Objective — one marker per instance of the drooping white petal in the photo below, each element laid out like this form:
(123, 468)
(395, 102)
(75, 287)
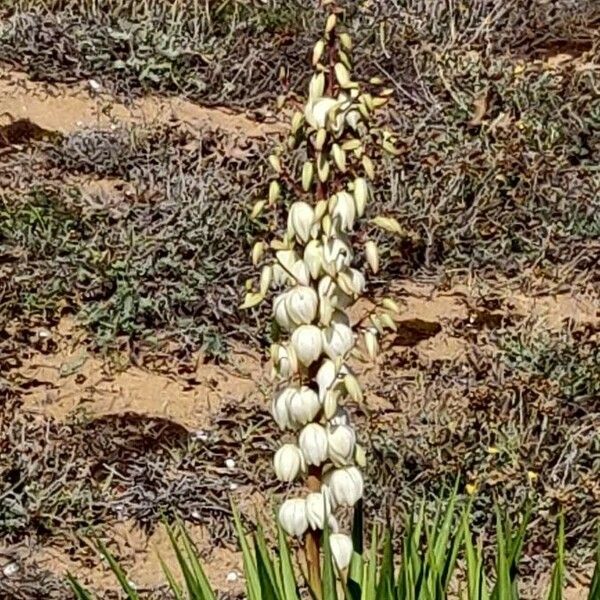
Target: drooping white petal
(288, 462)
(346, 485)
(317, 509)
(341, 549)
(300, 220)
(337, 255)
(285, 361)
(313, 257)
(280, 407)
(338, 340)
(343, 211)
(341, 440)
(292, 516)
(280, 311)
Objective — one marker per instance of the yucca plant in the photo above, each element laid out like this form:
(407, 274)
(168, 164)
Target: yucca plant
(321, 188)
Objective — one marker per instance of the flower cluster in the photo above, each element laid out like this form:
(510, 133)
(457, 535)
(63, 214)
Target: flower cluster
(314, 268)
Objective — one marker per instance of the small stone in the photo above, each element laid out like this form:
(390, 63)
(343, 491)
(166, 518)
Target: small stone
(196, 514)
(94, 85)
(233, 486)
(230, 463)
(201, 435)
(10, 569)
(232, 576)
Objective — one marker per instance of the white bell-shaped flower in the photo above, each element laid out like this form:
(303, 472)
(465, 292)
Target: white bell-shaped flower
(302, 304)
(313, 443)
(343, 210)
(285, 361)
(292, 516)
(329, 289)
(300, 220)
(341, 443)
(351, 282)
(281, 313)
(318, 507)
(316, 113)
(338, 339)
(308, 343)
(288, 462)
(313, 258)
(303, 406)
(341, 549)
(336, 255)
(346, 485)
(280, 407)
(328, 377)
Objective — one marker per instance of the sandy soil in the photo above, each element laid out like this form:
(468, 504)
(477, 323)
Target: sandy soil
(72, 379)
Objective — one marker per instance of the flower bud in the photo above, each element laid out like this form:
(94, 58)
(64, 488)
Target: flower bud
(300, 220)
(343, 211)
(341, 441)
(313, 443)
(372, 255)
(316, 88)
(361, 194)
(371, 344)
(317, 509)
(307, 175)
(318, 52)
(292, 516)
(301, 304)
(288, 462)
(308, 343)
(303, 406)
(341, 549)
(346, 486)
(338, 340)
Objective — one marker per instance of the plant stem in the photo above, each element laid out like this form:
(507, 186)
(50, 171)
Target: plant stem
(312, 538)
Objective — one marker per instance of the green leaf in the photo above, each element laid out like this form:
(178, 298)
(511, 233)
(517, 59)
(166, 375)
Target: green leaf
(119, 574)
(288, 577)
(250, 567)
(173, 585)
(355, 572)
(266, 575)
(80, 592)
(385, 586)
(558, 572)
(328, 583)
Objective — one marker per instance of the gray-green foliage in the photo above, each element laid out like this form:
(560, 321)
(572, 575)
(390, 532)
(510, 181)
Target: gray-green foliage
(163, 265)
